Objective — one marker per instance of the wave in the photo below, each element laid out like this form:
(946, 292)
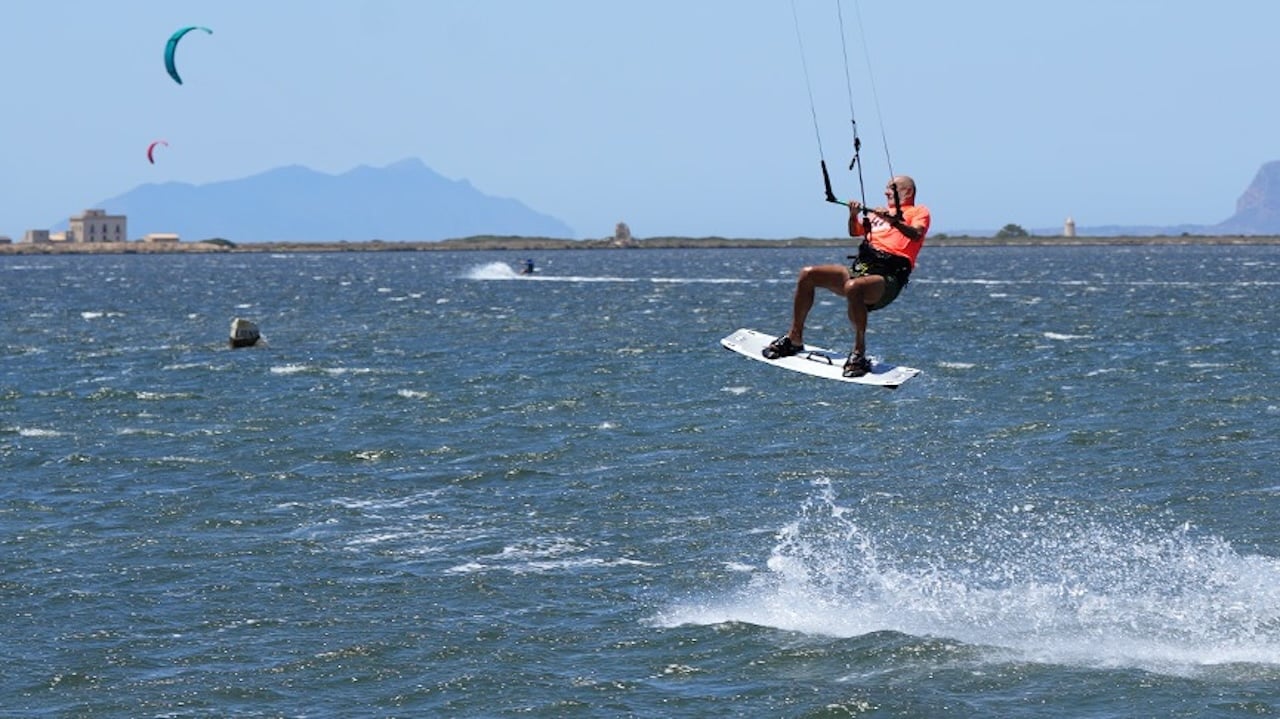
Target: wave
(33, 431)
(1052, 587)
(299, 368)
(543, 555)
(503, 271)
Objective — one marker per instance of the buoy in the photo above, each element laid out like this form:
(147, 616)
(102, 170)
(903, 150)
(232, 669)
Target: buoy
(244, 333)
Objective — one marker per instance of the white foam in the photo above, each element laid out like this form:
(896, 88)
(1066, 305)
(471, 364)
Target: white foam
(492, 271)
(38, 432)
(289, 369)
(160, 396)
(1047, 587)
(503, 271)
(543, 555)
(145, 432)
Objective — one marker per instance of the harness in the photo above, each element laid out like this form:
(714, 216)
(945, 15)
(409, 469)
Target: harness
(871, 261)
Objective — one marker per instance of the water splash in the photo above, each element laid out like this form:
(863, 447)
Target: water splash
(492, 271)
(1056, 586)
(503, 271)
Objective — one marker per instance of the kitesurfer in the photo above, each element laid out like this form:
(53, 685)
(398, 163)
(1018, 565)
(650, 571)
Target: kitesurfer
(877, 274)
(528, 267)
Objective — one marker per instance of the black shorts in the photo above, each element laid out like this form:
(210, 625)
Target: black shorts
(892, 286)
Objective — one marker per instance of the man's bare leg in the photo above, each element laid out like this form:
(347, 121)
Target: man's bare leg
(830, 277)
(862, 292)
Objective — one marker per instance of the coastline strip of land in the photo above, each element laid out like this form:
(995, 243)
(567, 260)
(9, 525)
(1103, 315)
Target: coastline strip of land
(542, 244)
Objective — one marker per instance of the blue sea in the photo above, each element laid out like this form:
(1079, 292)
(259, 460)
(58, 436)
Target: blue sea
(438, 488)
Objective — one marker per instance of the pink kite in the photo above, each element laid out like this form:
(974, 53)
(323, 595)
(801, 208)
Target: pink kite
(152, 148)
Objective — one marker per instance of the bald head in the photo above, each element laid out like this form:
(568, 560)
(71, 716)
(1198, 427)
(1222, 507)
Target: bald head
(901, 189)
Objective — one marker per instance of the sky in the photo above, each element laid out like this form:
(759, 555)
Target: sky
(678, 117)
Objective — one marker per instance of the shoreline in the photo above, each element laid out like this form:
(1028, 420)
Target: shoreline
(542, 244)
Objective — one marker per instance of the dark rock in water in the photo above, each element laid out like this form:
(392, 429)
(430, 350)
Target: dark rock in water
(1258, 209)
(244, 333)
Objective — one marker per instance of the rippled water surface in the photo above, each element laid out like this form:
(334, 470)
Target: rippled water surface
(442, 489)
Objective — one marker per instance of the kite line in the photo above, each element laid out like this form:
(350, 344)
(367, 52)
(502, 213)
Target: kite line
(855, 164)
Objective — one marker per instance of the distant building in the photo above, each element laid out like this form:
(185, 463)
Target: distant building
(1069, 228)
(36, 237)
(97, 226)
(622, 235)
(160, 237)
(6, 240)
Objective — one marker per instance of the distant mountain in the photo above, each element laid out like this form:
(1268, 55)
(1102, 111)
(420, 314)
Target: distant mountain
(404, 201)
(1258, 209)
(1257, 213)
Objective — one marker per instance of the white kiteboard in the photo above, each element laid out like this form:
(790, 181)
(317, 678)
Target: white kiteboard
(816, 361)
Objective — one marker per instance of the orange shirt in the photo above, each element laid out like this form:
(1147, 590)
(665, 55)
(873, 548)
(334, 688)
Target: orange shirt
(887, 239)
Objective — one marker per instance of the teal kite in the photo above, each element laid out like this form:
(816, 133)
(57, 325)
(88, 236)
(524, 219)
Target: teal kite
(173, 45)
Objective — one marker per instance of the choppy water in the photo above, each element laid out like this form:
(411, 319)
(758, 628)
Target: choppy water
(441, 489)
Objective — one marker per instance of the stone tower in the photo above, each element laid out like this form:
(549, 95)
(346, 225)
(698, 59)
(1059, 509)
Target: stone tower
(1069, 228)
(622, 235)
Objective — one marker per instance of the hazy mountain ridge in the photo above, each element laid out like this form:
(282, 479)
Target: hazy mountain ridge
(407, 201)
(1257, 213)
(404, 201)
(1258, 209)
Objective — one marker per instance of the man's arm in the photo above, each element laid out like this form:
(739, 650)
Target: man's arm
(855, 219)
(913, 233)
